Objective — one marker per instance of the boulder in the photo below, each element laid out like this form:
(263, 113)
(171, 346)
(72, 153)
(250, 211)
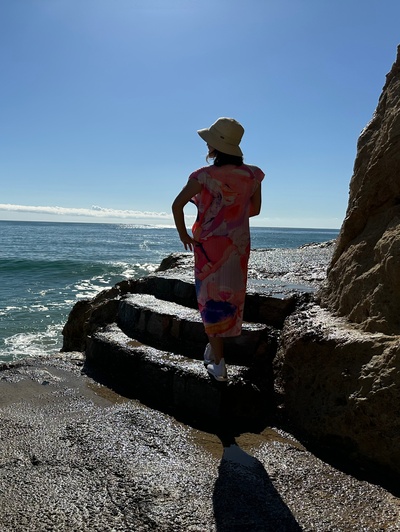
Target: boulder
(87, 315)
(341, 388)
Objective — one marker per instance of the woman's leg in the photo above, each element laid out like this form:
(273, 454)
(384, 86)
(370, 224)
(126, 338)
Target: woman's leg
(217, 368)
(217, 346)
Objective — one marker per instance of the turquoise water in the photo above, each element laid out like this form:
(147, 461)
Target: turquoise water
(46, 267)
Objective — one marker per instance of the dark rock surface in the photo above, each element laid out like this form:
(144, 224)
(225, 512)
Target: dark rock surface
(76, 456)
(340, 387)
(174, 384)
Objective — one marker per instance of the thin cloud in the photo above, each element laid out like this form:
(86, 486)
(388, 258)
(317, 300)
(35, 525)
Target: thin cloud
(95, 211)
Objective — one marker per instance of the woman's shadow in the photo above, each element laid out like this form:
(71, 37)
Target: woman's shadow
(244, 497)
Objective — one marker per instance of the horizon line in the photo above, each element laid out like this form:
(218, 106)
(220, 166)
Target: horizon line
(161, 226)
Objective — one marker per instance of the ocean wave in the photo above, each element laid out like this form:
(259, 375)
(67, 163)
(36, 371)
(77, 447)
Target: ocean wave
(33, 344)
(45, 268)
(7, 310)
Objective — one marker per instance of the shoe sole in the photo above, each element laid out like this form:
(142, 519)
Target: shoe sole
(219, 379)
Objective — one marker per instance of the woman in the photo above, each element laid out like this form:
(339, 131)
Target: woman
(226, 193)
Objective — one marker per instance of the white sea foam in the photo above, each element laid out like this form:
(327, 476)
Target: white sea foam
(39, 308)
(7, 310)
(141, 269)
(31, 344)
(86, 290)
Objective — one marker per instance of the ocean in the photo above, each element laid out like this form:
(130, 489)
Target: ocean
(45, 268)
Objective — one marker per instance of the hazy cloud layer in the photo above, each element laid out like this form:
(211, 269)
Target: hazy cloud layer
(94, 212)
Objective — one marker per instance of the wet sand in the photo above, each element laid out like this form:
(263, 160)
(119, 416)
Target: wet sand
(77, 456)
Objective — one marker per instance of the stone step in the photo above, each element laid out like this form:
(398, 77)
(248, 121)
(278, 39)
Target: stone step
(171, 326)
(145, 339)
(174, 384)
(265, 303)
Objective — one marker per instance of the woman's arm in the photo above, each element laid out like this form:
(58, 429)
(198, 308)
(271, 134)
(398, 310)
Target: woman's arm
(255, 202)
(191, 188)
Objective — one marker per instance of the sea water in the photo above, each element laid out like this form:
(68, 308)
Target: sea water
(45, 268)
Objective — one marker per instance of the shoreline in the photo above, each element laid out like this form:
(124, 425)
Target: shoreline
(298, 269)
(78, 456)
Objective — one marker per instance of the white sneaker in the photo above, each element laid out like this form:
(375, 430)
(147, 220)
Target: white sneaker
(208, 355)
(218, 371)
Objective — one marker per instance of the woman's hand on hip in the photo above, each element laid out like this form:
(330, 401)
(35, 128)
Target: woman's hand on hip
(188, 241)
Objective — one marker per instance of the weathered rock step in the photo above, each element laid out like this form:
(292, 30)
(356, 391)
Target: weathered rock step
(174, 384)
(269, 308)
(171, 326)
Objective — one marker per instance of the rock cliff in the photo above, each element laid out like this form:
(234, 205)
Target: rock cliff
(363, 280)
(339, 360)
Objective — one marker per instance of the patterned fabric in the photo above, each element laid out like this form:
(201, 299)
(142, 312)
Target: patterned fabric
(221, 256)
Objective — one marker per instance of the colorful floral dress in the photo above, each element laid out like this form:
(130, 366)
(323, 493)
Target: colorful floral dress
(222, 253)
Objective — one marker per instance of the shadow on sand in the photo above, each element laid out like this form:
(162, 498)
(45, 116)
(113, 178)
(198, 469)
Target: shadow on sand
(244, 497)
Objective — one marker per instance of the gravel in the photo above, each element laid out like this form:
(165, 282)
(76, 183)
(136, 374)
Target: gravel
(77, 456)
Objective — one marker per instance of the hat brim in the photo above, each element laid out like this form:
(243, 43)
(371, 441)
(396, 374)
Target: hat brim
(217, 143)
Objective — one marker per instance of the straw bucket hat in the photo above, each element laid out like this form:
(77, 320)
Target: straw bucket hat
(224, 135)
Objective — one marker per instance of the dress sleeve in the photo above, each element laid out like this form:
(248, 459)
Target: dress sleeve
(258, 174)
(199, 176)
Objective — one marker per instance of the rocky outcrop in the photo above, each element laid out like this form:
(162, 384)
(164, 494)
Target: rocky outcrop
(363, 280)
(145, 337)
(341, 388)
(339, 360)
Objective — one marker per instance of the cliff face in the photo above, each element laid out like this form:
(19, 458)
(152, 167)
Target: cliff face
(339, 359)
(363, 280)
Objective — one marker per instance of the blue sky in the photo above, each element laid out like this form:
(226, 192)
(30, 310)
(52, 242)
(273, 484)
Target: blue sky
(101, 99)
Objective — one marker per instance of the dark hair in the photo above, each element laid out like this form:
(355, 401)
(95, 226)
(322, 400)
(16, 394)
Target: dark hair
(221, 159)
